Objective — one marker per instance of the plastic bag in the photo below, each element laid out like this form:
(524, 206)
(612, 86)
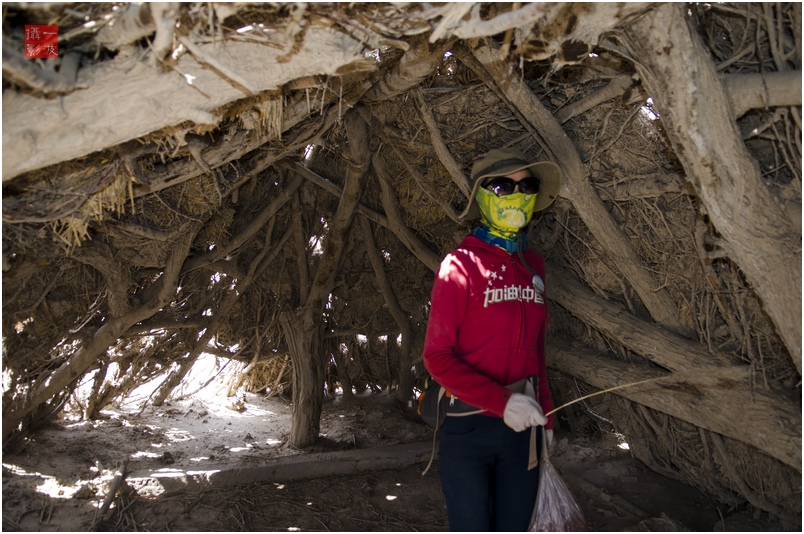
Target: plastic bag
(556, 509)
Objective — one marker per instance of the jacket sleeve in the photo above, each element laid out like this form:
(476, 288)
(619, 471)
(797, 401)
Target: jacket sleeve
(448, 304)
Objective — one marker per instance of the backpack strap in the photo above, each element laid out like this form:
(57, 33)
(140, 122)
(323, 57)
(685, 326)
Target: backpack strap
(441, 392)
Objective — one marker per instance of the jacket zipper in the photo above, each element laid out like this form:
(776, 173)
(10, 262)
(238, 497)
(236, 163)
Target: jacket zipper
(521, 306)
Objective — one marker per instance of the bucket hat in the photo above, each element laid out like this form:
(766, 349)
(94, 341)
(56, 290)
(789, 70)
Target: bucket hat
(502, 162)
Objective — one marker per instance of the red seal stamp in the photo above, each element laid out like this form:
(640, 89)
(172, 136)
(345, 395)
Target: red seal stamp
(41, 41)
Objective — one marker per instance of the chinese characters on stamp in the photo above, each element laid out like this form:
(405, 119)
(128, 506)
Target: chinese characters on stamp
(41, 41)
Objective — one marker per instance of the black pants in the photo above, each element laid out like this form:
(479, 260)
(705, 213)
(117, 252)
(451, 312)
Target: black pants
(483, 466)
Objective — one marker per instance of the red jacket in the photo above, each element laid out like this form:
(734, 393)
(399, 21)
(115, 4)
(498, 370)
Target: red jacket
(487, 325)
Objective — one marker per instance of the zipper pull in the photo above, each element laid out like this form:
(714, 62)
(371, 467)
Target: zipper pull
(452, 401)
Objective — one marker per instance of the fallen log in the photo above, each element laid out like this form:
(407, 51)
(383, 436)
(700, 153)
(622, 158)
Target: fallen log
(758, 417)
(649, 340)
(289, 468)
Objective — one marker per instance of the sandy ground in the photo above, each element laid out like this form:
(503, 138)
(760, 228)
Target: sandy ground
(59, 478)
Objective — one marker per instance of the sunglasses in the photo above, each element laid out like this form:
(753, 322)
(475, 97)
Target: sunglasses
(504, 186)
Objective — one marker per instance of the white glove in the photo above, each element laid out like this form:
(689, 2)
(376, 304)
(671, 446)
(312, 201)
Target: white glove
(522, 412)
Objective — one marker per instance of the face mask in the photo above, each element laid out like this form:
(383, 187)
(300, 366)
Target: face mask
(508, 213)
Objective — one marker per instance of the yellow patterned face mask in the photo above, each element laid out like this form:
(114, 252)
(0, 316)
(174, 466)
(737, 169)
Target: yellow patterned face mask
(508, 213)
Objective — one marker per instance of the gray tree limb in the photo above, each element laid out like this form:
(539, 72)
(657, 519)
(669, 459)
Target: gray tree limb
(220, 314)
(396, 223)
(641, 186)
(441, 150)
(416, 65)
(335, 240)
(301, 248)
(393, 222)
(257, 223)
(615, 88)
(328, 186)
(758, 91)
(16, 66)
(126, 26)
(118, 107)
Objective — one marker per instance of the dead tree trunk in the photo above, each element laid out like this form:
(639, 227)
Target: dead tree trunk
(302, 326)
(304, 343)
(342, 362)
(405, 389)
(177, 375)
(301, 249)
(756, 232)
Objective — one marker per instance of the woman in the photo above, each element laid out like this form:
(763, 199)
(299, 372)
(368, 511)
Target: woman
(486, 331)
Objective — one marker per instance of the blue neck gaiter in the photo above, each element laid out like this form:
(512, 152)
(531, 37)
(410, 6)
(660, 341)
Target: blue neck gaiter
(508, 241)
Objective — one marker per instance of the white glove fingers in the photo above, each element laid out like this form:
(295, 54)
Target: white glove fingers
(522, 412)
